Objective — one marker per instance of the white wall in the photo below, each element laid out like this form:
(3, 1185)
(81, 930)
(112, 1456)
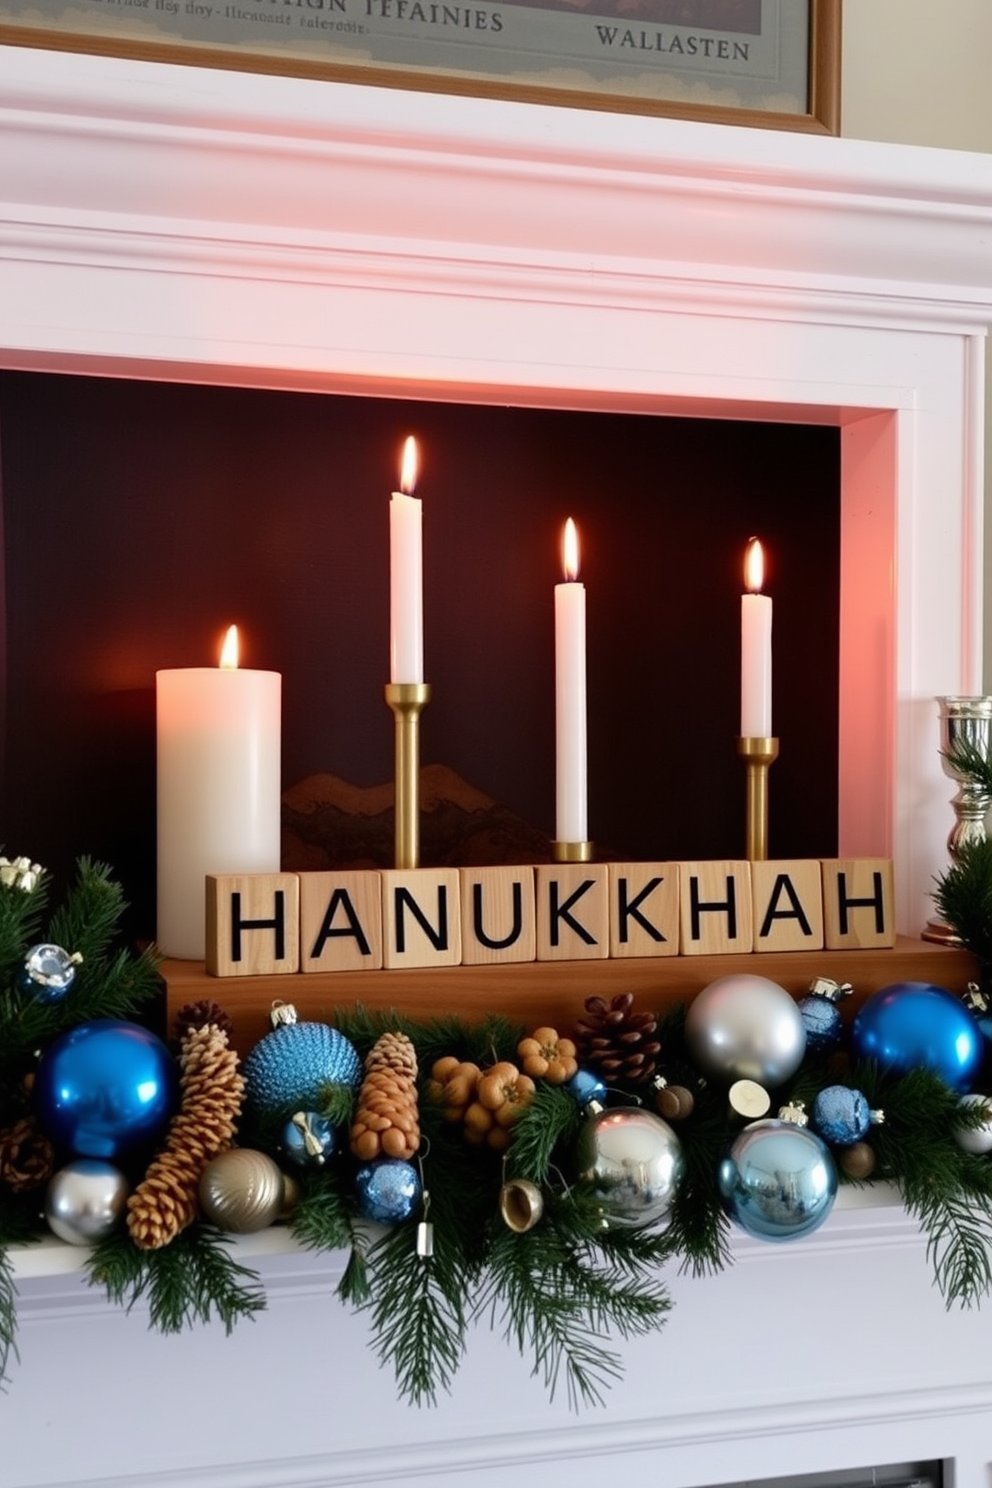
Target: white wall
(917, 73)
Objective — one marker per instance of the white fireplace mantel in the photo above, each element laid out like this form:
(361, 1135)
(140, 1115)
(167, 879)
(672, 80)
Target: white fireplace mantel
(160, 221)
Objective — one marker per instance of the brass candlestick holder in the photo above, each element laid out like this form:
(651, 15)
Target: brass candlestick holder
(571, 852)
(758, 754)
(407, 700)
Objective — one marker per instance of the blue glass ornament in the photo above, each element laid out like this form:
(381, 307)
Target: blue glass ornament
(289, 1067)
(105, 1088)
(388, 1190)
(48, 973)
(915, 1025)
(778, 1181)
(841, 1115)
(308, 1139)
(821, 1015)
(584, 1087)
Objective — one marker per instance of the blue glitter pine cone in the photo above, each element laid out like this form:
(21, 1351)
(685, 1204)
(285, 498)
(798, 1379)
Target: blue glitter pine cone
(291, 1065)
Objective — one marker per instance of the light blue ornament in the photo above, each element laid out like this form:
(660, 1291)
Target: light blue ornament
(308, 1139)
(388, 1190)
(915, 1025)
(48, 973)
(778, 1181)
(105, 1088)
(290, 1067)
(841, 1115)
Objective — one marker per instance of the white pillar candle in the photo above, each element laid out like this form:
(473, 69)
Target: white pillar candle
(571, 824)
(756, 649)
(219, 787)
(406, 578)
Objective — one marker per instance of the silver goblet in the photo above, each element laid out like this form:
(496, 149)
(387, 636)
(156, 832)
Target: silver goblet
(965, 724)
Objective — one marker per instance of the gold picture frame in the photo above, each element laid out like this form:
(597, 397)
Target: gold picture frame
(767, 63)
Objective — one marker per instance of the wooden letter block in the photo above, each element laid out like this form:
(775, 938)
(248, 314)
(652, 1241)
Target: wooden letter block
(573, 912)
(858, 903)
(421, 917)
(253, 924)
(715, 908)
(788, 905)
(340, 922)
(644, 909)
(498, 915)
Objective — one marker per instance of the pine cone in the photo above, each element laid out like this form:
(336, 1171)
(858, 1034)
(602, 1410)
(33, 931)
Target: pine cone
(26, 1156)
(165, 1202)
(386, 1120)
(617, 1044)
(199, 1014)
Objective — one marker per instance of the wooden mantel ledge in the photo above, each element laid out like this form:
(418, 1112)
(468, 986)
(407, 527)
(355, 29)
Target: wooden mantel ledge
(553, 992)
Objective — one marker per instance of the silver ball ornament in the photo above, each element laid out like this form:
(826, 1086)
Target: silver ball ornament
(977, 1139)
(85, 1201)
(48, 973)
(631, 1163)
(745, 1027)
(242, 1191)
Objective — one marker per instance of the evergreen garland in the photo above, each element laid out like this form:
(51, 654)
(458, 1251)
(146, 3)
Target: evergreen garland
(563, 1292)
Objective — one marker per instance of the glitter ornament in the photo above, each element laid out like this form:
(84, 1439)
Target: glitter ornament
(48, 973)
(290, 1067)
(104, 1088)
(821, 1014)
(915, 1025)
(388, 1190)
(778, 1181)
(308, 1139)
(841, 1115)
(630, 1163)
(85, 1200)
(745, 1027)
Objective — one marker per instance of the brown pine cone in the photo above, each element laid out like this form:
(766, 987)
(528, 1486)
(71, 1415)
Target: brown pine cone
(198, 1015)
(26, 1156)
(212, 1089)
(386, 1122)
(616, 1043)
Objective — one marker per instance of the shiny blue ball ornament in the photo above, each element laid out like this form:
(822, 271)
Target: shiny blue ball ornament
(104, 1088)
(778, 1181)
(820, 1014)
(841, 1115)
(308, 1139)
(290, 1067)
(388, 1190)
(48, 973)
(584, 1087)
(914, 1025)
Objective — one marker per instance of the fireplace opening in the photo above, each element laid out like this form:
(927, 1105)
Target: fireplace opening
(141, 517)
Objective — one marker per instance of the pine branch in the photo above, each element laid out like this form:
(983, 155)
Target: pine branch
(193, 1279)
(8, 1315)
(550, 1121)
(963, 896)
(966, 759)
(417, 1311)
(322, 1220)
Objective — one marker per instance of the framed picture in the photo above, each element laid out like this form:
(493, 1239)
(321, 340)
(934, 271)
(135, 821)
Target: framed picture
(774, 63)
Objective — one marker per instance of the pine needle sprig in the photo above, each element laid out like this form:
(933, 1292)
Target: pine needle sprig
(963, 897)
(966, 759)
(417, 1311)
(947, 1189)
(547, 1304)
(322, 1219)
(8, 1314)
(551, 1121)
(699, 1230)
(22, 915)
(88, 919)
(193, 1279)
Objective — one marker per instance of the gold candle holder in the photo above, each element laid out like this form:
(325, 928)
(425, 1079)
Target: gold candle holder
(758, 753)
(571, 852)
(407, 700)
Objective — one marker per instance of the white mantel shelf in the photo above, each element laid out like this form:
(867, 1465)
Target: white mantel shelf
(813, 1351)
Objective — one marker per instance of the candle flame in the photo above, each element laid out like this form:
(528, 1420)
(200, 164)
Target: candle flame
(409, 466)
(754, 567)
(570, 551)
(229, 650)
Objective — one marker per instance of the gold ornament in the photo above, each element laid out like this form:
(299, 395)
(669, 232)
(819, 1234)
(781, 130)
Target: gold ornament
(242, 1191)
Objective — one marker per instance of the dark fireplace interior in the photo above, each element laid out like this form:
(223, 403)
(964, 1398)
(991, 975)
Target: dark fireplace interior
(140, 518)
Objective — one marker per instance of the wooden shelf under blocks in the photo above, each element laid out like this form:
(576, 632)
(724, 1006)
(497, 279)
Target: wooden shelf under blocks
(538, 992)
